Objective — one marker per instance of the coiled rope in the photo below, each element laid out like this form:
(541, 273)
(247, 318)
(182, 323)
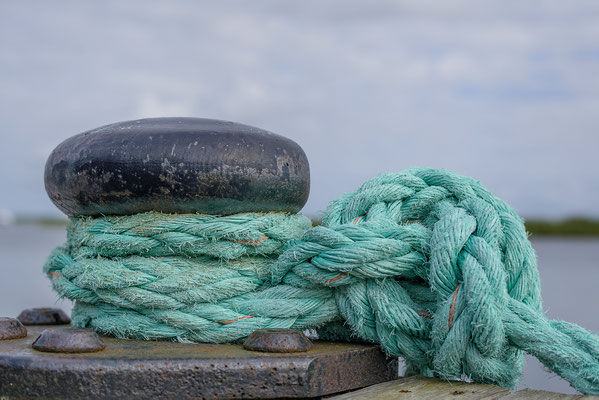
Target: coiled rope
(426, 263)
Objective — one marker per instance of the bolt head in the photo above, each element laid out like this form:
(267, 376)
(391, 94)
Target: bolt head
(278, 341)
(43, 316)
(11, 328)
(68, 340)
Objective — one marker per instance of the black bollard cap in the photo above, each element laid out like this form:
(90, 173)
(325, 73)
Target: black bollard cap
(177, 165)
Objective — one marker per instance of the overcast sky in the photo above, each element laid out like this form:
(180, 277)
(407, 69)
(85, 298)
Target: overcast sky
(505, 91)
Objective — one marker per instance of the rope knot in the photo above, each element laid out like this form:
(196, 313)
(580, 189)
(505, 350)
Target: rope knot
(424, 262)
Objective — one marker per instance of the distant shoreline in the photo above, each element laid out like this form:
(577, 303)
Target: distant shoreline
(569, 227)
(580, 227)
(42, 221)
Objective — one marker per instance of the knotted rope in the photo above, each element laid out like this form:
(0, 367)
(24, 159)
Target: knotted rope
(426, 263)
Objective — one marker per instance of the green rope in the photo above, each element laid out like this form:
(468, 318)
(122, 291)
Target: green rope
(426, 263)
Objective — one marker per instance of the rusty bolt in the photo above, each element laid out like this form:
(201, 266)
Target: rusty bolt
(11, 328)
(43, 316)
(68, 340)
(278, 341)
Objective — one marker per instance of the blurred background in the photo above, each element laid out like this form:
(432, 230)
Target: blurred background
(505, 91)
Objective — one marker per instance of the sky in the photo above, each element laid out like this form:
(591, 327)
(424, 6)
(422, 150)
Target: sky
(504, 91)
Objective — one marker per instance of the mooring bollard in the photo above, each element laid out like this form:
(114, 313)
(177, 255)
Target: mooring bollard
(184, 230)
(174, 220)
(177, 165)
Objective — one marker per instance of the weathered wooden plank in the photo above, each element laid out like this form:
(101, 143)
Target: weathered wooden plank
(417, 387)
(528, 394)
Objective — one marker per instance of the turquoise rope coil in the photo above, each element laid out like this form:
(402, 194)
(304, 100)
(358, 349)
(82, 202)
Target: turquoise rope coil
(428, 264)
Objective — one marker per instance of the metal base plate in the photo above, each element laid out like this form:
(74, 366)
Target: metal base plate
(143, 369)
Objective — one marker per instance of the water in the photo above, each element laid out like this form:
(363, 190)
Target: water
(569, 274)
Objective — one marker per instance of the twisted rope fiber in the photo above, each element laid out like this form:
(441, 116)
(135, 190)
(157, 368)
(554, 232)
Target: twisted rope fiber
(426, 263)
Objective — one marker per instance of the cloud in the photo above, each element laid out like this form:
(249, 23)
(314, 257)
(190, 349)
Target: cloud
(152, 105)
(504, 91)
